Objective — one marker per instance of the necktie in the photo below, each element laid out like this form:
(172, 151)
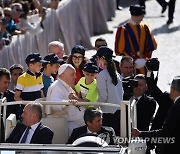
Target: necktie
(25, 135)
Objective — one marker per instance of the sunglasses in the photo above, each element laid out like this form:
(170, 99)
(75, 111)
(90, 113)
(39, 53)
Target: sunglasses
(77, 57)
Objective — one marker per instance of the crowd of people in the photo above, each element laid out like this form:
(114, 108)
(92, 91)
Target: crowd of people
(74, 78)
(20, 17)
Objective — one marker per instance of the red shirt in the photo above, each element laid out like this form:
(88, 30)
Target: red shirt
(79, 74)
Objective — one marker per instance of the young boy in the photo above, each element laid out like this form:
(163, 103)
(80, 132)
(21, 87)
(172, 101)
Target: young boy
(50, 68)
(87, 87)
(30, 84)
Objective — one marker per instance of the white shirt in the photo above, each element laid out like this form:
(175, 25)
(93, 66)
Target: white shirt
(176, 99)
(88, 131)
(59, 91)
(132, 22)
(1, 94)
(30, 134)
(32, 29)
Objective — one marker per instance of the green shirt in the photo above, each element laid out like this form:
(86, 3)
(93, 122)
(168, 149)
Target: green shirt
(89, 91)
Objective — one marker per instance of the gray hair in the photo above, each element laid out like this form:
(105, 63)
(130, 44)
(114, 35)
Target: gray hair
(176, 83)
(37, 108)
(55, 43)
(126, 59)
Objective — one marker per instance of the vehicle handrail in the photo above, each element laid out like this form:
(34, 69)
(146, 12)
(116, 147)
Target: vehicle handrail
(5, 104)
(62, 103)
(58, 147)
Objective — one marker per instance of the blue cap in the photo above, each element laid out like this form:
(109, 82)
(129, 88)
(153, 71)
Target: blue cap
(105, 52)
(78, 49)
(53, 59)
(34, 57)
(90, 68)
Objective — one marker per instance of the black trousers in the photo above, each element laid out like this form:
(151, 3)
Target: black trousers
(161, 2)
(171, 9)
(112, 120)
(2, 134)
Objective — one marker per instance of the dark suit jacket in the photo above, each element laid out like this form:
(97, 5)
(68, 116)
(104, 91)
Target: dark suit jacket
(145, 109)
(10, 109)
(171, 128)
(42, 134)
(77, 132)
(163, 100)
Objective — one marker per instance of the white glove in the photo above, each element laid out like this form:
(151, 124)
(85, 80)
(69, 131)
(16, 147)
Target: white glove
(140, 63)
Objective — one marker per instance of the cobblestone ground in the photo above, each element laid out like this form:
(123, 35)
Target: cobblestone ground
(168, 37)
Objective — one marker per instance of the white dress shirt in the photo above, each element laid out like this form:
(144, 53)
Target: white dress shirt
(30, 134)
(59, 91)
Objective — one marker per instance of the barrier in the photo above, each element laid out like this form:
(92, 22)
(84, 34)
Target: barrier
(74, 22)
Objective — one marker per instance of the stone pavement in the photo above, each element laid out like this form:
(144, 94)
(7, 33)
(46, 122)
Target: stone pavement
(168, 37)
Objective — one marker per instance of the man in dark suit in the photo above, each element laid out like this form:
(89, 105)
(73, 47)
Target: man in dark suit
(5, 92)
(171, 127)
(145, 105)
(93, 121)
(31, 130)
(163, 99)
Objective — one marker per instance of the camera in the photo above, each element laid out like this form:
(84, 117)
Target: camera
(128, 84)
(152, 64)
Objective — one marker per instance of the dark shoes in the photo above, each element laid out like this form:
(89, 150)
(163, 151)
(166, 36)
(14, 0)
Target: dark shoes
(170, 21)
(164, 8)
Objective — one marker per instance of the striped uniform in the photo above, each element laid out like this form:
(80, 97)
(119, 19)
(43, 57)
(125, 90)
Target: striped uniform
(134, 40)
(30, 85)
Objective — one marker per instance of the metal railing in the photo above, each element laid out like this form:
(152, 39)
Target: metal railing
(125, 107)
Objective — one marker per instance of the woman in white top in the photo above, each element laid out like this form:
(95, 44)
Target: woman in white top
(22, 16)
(110, 88)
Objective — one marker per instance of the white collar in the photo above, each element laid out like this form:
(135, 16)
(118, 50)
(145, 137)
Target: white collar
(88, 131)
(70, 90)
(176, 99)
(33, 127)
(137, 98)
(132, 21)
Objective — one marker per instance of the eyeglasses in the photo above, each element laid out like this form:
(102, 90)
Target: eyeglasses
(7, 15)
(77, 57)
